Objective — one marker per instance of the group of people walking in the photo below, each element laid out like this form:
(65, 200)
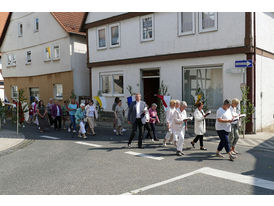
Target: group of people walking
(69, 115)
(227, 124)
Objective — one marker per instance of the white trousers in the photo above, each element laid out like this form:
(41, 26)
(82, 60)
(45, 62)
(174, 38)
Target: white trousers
(82, 128)
(180, 136)
(169, 135)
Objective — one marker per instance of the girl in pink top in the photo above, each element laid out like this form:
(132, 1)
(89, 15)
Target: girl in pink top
(153, 119)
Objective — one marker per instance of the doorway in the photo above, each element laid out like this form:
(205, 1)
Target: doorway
(151, 84)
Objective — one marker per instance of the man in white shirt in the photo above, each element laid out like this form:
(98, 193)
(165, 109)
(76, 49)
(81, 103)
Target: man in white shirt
(223, 128)
(135, 114)
(178, 127)
(169, 119)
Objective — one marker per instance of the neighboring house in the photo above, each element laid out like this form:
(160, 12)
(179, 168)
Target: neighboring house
(45, 54)
(186, 51)
(4, 16)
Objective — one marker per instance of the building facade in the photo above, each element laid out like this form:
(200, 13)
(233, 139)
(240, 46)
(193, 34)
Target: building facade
(45, 54)
(184, 51)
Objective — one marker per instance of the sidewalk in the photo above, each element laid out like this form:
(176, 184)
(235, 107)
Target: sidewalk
(9, 139)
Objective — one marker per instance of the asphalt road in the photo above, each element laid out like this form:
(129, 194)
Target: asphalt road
(63, 164)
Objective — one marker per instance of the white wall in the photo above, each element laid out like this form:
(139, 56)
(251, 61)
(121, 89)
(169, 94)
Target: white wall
(231, 31)
(265, 30)
(79, 65)
(50, 33)
(171, 74)
(264, 87)
(96, 16)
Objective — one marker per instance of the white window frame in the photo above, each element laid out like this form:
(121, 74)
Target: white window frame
(13, 60)
(27, 57)
(215, 28)
(53, 53)
(97, 37)
(55, 92)
(111, 94)
(34, 25)
(141, 28)
(12, 94)
(110, 37)
(20, 34)
(45, 54)
(180, 33)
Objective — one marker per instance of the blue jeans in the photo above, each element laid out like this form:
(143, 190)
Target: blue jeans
(224, 143)
(72, 122)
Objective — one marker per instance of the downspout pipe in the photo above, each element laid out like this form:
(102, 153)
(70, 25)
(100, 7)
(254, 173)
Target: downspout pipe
(254, 70)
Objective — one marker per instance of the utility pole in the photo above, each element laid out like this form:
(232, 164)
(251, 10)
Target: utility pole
(17, 114)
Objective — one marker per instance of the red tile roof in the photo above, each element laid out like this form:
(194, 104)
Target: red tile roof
(4, 16)
(70, 21)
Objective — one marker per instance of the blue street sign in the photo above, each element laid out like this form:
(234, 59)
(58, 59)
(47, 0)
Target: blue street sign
(243, 63)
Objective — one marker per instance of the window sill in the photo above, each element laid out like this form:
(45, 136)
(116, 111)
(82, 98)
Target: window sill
(114, 46)
(186, 34)
(208, 30)
(58, 98)
(28, 63)
(113, 95)
(56, 59)
(101, 48)
(146, 40)
(10, 66)
(47, 60)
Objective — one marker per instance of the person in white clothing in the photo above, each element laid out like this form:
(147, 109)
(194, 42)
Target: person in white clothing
(223, 128)
(177, 108)
(91, 114)
(178, 127)
(169, 118)
(199, 125)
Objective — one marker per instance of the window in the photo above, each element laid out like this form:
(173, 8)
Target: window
(14, 92)
(186, 23)
(36, 25)
(101, 38)
(34, 92)
(47, 54)
(28, 57)
(56, 52)
(114, 35)
(208, 21)
(11, 60)
(20, 29)
(112, 84)
(209, 80)
(58, 91)
(147, 25)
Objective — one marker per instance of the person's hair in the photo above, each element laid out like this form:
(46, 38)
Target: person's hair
(91, 101)
(138, 94)
(227, 101)
(154, 104)
(199, 104)
(173, 101)
(41, 103)
(119, 101)
(183, 103)
(177, 101)
(235, 101)
(116, 100)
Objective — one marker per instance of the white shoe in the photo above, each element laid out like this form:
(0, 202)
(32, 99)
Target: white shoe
(69, 130)
(84, 136)
(79, 135)
(74, 131)
(114, 130)
(123, 130)
(164, 144)
(152, 140)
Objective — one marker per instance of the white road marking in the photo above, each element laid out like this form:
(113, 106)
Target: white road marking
(144, 155)
(89, 144)
(238, 178)
(162, 183)
(212, 172)
(49, 137)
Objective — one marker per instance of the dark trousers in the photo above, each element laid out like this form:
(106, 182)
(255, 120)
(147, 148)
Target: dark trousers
(201, 138)
(151, 133)
(59, 120)
(137, 124)
(50, 120)
(224, 143)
